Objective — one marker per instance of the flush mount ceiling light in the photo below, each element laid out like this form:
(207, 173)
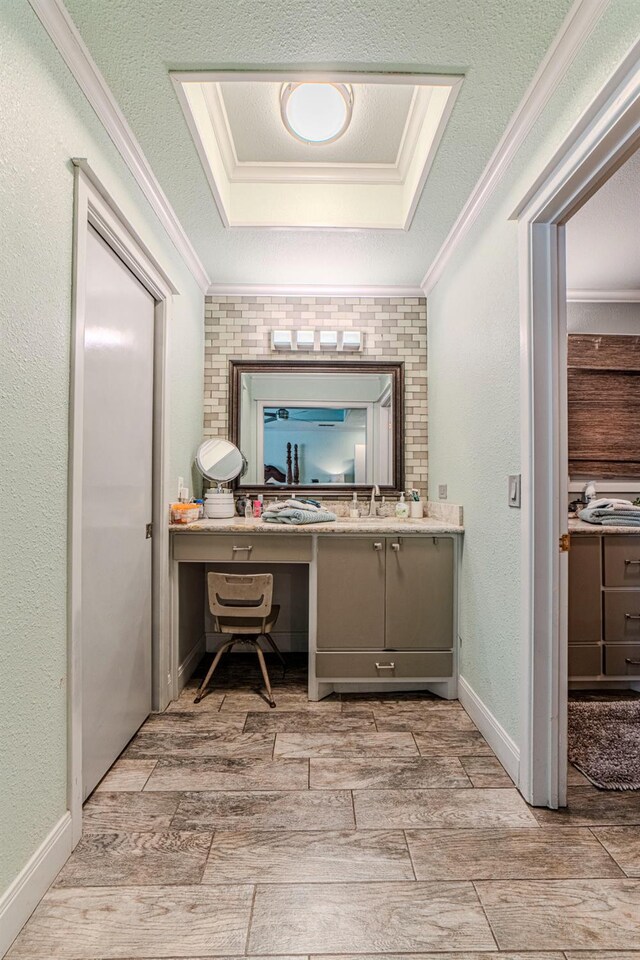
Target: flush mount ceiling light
(316, 112)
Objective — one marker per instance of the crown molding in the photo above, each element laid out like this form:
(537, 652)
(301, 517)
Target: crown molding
(56, 21)
(603, 296)
(577, 26)
(308, 290)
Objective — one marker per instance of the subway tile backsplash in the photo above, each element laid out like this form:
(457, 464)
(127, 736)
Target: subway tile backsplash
(394, 328)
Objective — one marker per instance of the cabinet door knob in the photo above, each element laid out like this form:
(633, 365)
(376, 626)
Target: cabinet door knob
(386, 666)
(377, 546)
(395, 546)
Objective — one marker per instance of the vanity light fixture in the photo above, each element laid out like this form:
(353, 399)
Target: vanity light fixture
(328, 339)
(281, 340)
(352, 340)
(305, 339)
(316, 113)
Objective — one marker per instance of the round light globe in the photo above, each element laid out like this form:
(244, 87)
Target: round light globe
(316, 112)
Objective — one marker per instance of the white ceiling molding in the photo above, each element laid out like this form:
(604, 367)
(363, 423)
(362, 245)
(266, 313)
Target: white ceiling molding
(308, 290)
(603, 296)
(316, 195)
(65, 36)
(577, 26)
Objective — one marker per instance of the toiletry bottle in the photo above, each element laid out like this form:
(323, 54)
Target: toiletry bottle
(257, 507)
(248, 509)
(402, 508)
(353, 510)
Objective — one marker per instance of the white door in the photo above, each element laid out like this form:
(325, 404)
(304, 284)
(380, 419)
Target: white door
(116, 507)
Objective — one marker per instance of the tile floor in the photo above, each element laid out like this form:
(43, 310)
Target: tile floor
(353, 829)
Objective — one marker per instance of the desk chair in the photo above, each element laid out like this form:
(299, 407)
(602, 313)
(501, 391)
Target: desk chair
(241, 606)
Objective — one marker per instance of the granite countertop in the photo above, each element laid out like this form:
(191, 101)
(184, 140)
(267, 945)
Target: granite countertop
(581, 528)
(341, 526)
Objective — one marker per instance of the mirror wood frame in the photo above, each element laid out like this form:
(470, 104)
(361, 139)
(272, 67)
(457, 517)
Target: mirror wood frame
(395, 370)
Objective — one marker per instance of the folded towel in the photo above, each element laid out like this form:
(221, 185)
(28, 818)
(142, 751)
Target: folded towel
(293, 503)
(296, 517)
(611, 513)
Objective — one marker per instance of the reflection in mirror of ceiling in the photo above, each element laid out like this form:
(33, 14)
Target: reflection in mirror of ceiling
(380, 113)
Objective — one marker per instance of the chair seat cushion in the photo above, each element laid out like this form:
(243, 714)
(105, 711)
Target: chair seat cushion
(252, 626)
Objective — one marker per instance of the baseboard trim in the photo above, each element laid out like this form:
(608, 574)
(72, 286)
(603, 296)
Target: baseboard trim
(190, 662)
(27, 890)
(496, 736)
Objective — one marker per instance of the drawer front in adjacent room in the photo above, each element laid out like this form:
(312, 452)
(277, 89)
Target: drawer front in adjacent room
(384, 665)
(260, 548)
(622, 616)
(584, 661)
(622, 561)
(622, 660)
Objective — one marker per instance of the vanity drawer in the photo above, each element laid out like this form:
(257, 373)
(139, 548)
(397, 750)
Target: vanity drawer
(406, 665)
(615, 660)
(621, 616)
(622, 561)
(260, 548)
(585, 661)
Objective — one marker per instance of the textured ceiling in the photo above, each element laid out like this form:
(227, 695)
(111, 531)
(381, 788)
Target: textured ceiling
(373, 136)
(599, 254)
(496, 44)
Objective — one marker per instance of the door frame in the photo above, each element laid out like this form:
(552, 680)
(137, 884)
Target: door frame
(604, 137)
(94, 206)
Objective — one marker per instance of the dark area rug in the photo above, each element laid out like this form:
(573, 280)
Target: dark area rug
(604, 742)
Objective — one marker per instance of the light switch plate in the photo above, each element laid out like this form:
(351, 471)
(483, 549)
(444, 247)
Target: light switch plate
(442, 491)
(514, 490)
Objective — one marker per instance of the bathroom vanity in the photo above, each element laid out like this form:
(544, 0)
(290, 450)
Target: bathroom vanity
(382, 595)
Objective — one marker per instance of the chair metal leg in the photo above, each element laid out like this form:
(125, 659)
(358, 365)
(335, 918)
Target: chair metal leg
(265, 675)
(274, 647)
(216, 661)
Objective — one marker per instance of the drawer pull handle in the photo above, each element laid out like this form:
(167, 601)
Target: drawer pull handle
(248, 549)
(631, 662)
(377, 546)
(395, 546)
(632, 616)
(386, 666)
(628, 563)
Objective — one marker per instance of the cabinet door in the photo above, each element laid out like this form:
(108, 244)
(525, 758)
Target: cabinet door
(419, 593)
(585, 595)
(351, 593)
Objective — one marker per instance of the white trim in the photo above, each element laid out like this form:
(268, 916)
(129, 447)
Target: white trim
(606, 134)
(64, 34)
(309, 290)
(92, 206)
(496, 736)
(21, 898)
(603, 296)
(577, 26)
(190, 662)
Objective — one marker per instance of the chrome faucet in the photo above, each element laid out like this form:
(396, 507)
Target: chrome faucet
(375, 489)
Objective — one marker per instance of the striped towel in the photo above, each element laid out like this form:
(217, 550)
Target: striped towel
(611, 513)
(296, 517)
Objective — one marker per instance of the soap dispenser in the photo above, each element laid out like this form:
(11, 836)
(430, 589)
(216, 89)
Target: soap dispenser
(353, 511)
(402, 508)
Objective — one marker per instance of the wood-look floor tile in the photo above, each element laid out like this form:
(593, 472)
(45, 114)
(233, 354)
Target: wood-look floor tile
(185, 745)
(210, 703)
(126, 775)
(170, 921)
(140, 812)
(484, 771)
(295, 721)
(128, 859)
(562, 914)
(575, 777)
(243, 702)
(203, 721)
(623, 843)
(455, 743)
(287, 856)
(370, 773)
(224, 773)
(367, 917)
(592, 955)
(266, 810)
(466, 955)
(404, 809)
(588, 806)
(423, 721)
(367, 744)
(500, 854)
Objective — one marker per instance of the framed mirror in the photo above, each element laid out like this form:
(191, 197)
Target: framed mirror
(318, 425)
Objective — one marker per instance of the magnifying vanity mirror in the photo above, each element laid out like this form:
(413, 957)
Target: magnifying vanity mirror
(318, 425)
(220, 460)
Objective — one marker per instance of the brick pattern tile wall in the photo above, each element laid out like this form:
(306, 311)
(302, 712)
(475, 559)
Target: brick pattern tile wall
(394, 328)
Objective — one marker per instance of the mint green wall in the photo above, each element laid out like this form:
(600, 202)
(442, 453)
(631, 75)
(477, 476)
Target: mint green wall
(45, 120)
(474, 384)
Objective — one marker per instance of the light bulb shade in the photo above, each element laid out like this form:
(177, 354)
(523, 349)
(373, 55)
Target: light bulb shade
(316, 112)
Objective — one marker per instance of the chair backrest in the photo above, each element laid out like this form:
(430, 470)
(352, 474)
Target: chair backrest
(240, 595)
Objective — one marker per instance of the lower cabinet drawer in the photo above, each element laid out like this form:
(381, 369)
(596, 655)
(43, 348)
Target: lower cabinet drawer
(585, 661)
(622, 660)
(244, 547)
(622, 616)
(384, 665)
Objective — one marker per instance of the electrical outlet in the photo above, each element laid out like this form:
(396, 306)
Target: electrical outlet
(442, 491)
